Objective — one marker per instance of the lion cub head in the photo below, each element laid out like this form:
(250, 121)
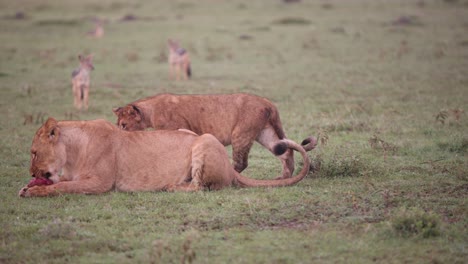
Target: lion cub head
(129, 118)
(48, 154)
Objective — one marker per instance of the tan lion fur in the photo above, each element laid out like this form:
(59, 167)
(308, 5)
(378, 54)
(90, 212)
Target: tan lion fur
(92, 157)
(234, 119)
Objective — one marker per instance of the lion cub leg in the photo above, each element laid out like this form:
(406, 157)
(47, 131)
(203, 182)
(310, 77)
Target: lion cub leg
(287, 159)
(242, 140)
(268, 139)
(240, 153)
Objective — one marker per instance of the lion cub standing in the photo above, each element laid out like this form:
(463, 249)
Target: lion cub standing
(81, 81)
(179, 61)
(234, 119)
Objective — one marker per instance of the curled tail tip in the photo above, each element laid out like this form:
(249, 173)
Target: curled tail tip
(309, 143)
(280, 148)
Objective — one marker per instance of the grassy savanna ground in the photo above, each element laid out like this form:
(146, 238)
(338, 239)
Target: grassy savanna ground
(383, 83)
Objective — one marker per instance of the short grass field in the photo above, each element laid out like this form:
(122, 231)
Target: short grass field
(382, 84)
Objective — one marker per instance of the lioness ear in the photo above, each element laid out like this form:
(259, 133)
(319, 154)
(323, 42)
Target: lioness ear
(50, 122)
(53, 134)
(52, 129)
(117, 110)
(137, 113)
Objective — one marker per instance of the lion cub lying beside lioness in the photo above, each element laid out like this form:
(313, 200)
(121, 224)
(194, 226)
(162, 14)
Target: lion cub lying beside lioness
(93, 157)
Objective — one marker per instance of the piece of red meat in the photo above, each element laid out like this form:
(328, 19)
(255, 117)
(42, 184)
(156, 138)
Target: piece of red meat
(38, 181)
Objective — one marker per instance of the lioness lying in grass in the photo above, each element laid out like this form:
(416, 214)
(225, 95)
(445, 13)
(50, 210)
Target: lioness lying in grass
(94, 157)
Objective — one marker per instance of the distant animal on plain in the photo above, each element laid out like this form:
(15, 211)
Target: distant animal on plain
(81, 82)
(93, 157)
(98, 31)
(234, 119)
(179, 61)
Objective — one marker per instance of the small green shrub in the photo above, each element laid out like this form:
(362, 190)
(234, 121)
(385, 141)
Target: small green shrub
(455, 146)
(416, 222)
(339, 165)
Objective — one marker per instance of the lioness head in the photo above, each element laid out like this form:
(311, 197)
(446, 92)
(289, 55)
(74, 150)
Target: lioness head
(129, 118)
(48, 154)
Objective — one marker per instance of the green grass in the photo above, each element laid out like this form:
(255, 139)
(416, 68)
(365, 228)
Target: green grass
(383, 95)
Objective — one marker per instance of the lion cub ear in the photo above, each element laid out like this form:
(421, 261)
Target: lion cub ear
(136, 113)
(117, 110)
(52, 129)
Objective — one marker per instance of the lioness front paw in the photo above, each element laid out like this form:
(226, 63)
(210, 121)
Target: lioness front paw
(34, 191)
(24, 192)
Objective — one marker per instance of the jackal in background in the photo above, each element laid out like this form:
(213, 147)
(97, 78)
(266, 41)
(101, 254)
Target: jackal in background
(98, 31)
(81, 81)
(179, 60)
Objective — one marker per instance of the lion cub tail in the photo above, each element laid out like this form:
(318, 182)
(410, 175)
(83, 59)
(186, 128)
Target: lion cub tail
(309, 143)
(280, 149)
